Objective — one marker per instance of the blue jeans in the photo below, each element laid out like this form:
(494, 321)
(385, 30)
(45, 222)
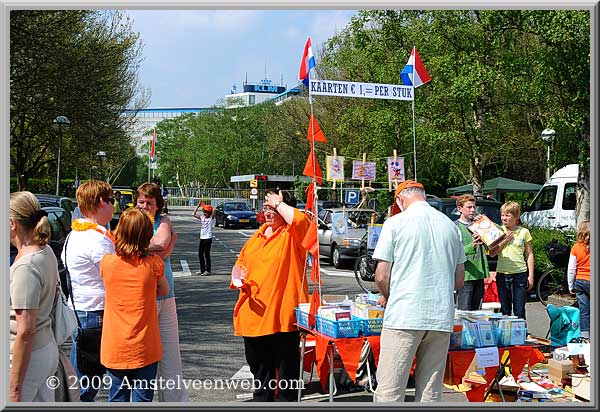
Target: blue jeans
(512, 291)
(582, 290)
(139, 386)
(89, 320)
(470, 295)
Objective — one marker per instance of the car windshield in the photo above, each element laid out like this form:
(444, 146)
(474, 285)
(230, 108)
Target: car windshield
(231, 207)
(127, 198)
(359, 218)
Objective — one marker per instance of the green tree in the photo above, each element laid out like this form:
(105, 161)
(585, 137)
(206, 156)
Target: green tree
(82, 64)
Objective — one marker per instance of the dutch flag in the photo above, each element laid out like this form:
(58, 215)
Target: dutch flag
(414, 68)
(307, 63)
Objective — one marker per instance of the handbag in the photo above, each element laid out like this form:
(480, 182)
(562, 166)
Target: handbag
(87, 340)
(64, 320)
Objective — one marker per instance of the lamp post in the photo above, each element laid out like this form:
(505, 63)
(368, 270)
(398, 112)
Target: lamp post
(59, 122)
(101, 156)
(548, 137)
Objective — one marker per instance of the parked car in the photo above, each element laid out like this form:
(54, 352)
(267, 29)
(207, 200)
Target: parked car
(127, 195)
(340, 232)
(57, 201)
(447, 205)
(60, 225)
(488, 207)
(229, 214)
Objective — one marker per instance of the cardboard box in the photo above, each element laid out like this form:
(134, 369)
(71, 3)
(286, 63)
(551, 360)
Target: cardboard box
(366, 311)
(581, 386)
(559, 369)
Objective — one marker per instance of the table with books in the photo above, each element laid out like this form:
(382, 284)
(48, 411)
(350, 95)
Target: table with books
(488, 342)
(478, 336)
(341, 327)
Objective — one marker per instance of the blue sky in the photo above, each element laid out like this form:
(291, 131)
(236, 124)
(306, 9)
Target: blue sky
(192, 58)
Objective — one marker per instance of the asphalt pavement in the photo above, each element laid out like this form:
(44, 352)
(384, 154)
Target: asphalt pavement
(214, 364)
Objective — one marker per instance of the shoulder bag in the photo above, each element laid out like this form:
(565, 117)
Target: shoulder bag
(63, 317)
(87, 340)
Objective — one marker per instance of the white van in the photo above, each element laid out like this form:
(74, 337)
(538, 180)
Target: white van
(554, 204)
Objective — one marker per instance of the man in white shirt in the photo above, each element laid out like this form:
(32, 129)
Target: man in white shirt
(85, 246)
(420, 262)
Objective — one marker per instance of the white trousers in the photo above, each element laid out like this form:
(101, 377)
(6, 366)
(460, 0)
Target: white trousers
(398, 349)
(42, 364)
(169, 367)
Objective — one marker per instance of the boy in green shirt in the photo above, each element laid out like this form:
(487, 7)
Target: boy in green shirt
(476, 267)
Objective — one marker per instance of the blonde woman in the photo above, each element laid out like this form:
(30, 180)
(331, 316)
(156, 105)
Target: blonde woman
(33, 279)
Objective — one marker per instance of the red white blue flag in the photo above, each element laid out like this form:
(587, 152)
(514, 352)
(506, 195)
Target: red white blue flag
(307, 63)
(414, 69)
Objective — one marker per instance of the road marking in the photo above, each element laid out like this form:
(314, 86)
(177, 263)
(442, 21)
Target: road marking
(185, 267)
(224, 246)
(337, 272)
(243, 373)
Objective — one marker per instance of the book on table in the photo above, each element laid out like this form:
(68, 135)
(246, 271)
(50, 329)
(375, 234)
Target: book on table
(487, 231)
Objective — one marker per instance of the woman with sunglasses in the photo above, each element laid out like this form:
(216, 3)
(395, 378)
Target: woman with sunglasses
(85, 246)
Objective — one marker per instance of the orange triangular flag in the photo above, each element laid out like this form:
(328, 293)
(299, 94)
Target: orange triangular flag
(311, 240)
(319, 135)
(312, 166)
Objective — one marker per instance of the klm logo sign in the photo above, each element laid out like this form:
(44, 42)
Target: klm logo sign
(265, 89)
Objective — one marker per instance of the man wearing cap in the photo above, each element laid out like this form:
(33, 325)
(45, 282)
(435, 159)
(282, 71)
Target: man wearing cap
(420, 262)
(207, 221)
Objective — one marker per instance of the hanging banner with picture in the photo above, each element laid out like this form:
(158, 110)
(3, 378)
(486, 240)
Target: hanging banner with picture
(395, 169)
(363, 171)
(335, 168)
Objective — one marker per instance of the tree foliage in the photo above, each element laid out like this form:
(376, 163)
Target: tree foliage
(81, 64)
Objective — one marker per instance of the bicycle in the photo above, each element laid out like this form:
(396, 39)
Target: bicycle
(554, 280)
(364, 268)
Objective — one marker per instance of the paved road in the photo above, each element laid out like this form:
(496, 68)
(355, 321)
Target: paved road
(205, 304)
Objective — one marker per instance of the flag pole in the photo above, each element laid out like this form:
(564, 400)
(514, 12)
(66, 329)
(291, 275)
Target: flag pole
(314, 179)
(413, 115)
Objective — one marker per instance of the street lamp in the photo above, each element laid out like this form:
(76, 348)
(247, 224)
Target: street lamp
(59, 122)
(548, 137)
(101, 156)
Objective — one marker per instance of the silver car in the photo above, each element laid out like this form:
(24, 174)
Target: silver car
(340, 233)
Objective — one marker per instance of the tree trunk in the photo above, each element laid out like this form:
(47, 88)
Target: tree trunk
(476, 176)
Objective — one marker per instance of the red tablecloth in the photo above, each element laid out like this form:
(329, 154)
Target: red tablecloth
(459, 361)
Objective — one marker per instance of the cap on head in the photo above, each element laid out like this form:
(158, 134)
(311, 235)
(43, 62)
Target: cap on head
(207, 208)
(404, 185)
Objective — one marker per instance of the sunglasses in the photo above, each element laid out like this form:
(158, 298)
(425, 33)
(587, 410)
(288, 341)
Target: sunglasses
(110, 200)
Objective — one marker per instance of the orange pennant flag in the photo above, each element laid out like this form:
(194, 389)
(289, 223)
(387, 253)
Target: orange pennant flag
(318, 133)
(312, 168)
(311, 240)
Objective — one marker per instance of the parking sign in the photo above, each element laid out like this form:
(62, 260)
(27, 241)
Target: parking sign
(352, 196)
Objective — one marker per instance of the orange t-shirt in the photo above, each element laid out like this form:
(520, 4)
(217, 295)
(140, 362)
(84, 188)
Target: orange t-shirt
(130, 335)
(275, 279)
(583, 261)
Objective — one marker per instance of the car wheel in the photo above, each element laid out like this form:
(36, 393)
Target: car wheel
(336, 258)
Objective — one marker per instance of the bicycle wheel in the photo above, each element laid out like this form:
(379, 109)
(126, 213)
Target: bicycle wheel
(364, 272)
(552, 282)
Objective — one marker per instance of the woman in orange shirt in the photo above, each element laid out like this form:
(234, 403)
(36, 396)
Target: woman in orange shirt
(133, 279)
(579, 275)
(272, 266)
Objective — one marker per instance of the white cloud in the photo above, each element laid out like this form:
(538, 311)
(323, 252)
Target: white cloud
(325, 25)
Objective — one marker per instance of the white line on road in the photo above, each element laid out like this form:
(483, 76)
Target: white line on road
(224, 245)
(185, 267)
(243, 373)
(335, 272)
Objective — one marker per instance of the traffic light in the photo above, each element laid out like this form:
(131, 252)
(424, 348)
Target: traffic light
(260, 177)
